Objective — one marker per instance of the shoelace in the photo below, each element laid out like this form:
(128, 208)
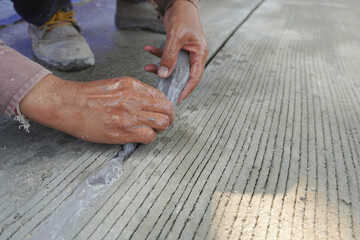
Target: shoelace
(60, 18)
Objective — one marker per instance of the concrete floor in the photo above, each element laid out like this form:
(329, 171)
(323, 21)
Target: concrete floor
(267, 147)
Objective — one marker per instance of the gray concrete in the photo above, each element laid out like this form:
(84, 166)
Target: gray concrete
(267, 147)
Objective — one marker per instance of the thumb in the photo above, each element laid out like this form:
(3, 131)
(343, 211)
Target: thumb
(169, 57)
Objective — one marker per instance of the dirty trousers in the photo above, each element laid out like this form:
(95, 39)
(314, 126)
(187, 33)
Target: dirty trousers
(38, 12)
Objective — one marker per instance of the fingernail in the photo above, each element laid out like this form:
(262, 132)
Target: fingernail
(163, 72)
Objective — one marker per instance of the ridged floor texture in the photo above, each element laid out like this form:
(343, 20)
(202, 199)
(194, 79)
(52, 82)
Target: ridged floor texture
(267, 146)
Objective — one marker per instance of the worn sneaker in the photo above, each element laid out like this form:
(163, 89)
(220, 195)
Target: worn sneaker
(59, 45)
(132, 15)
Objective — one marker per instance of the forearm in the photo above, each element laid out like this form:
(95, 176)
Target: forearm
(18, 75)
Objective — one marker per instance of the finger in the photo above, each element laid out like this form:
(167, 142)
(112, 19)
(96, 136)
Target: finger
(163, 106)
(169, 56)
(196, 72)
(153, 50)
(157, 121)
(143, 135)
(152, 68)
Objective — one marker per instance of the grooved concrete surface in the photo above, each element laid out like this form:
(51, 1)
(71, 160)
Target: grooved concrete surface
(267, 147)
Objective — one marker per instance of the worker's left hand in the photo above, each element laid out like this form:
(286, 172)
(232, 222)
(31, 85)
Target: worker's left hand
(184, 31)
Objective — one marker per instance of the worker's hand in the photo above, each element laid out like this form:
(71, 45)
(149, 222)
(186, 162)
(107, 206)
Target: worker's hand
(184, 31)
(114, 111)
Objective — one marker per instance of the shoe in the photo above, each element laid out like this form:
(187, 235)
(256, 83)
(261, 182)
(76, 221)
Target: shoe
(133, 16)
(59, 44)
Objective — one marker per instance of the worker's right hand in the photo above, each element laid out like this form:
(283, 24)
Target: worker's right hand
(114, 111)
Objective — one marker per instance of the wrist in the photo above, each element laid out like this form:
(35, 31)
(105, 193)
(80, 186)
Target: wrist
(38, 103)
(194, 3)
(180, 8)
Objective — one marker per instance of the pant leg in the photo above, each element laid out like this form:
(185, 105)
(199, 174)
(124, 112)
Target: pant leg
(39, 12)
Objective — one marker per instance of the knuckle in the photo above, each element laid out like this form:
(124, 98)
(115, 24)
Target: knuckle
(169, 107)
(197, 80)
(125, 78)
(160, 93)
(120, 121)
(121, 82)
(164, 122)
(117, 82)
(129, 81)
(114, 120)
(206, 51)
